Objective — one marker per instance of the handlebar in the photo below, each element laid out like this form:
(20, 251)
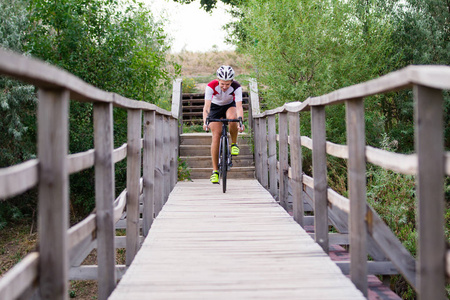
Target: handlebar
(208, 120)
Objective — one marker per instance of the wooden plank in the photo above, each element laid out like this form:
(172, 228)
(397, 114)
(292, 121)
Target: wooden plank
(53, 124)
(253, 102)
(177, 96)
(82, 230)
(81, 161)
(263, 150)
(120, 153)
(159, 167)
(133, 175)
(104, 198)
(391, 246)
(357, 192)
(18, 279)
(431, 76)
(429, 137)
(272, 158)
(148, 170)
(90, 272)
(17, 179)
(283, 156)
(296, 165)
(320, 176)
(207, 245)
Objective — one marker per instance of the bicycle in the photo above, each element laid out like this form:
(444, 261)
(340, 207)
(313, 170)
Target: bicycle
(225, 157)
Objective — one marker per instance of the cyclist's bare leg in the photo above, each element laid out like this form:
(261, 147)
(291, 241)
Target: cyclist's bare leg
(232, 114)
(216, 130)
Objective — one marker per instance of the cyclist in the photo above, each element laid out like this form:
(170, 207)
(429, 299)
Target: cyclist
(223, 99)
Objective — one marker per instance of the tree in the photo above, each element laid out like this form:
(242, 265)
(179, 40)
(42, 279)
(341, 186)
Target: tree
(209, 5)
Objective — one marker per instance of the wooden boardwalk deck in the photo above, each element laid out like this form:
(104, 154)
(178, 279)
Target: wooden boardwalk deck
(240, 245)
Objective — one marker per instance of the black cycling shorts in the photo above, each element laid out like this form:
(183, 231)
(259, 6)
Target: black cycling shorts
(220, 112)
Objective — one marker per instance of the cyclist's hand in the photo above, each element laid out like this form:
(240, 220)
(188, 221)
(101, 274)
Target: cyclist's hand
(205, 127)
(241, 125)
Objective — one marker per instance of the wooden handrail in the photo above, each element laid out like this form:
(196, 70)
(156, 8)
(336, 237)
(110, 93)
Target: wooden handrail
(51, 169)
(427, 82)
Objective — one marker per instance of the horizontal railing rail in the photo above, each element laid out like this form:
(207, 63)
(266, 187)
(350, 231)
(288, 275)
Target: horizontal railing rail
(353, 217)
(46, 271)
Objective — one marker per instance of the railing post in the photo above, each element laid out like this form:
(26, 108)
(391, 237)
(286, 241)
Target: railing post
(262, 136)
(272, 159)
(53, 119)
(177, 104)
(104, 198)
(133, 175)
(149, 170)
(283, 156)
(296, 167)
(166, 162)
(430, 193)
(254, 102)
(173, 152)
(159, 166)
(257, 150)
(320, 176)
(357, 192)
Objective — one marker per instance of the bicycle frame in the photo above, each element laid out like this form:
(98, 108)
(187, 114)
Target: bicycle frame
(224, 150)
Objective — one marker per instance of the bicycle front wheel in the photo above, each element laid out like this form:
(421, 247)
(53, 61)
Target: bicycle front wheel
(224, 163)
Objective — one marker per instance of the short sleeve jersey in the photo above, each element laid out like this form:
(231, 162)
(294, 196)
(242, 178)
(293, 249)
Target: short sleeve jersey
(214, 93)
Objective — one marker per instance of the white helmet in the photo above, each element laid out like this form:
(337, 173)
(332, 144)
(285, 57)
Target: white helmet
(225, 73)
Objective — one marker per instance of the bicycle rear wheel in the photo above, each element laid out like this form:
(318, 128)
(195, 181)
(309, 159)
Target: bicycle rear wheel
(224, 163)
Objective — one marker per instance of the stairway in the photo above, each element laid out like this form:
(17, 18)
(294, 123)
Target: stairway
(195, 151)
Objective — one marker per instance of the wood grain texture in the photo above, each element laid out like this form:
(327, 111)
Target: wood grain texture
(104, 198)
(357, 192)
(240, 245)
(283, 156)
(272, 156)
(133, 175)
(148, 170)
(53, 185)
(320, 176)
(263, 150)
(17, 280)
(19, 178)
(429, 134)
(296, 166)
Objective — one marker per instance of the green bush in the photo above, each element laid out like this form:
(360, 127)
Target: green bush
(189, 85)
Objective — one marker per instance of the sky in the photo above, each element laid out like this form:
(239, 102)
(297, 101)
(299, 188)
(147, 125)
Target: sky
(192, 28)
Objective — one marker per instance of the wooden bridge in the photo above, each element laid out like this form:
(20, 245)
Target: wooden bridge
(187, 240)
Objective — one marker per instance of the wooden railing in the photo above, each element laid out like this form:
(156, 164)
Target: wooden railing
(365, 231)
(46, 272)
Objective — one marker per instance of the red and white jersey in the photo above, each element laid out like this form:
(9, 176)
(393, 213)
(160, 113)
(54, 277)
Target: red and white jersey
(214, 93)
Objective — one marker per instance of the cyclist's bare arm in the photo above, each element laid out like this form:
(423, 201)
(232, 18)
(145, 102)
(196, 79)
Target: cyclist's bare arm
(206, 109)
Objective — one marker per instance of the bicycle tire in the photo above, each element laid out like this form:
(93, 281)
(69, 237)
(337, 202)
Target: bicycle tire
(224, 163)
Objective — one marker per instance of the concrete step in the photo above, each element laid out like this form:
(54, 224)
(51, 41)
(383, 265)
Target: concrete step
(205, 161)
(234, 173)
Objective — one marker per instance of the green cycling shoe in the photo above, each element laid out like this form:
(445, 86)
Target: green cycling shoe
(214, 177)
(234, 149)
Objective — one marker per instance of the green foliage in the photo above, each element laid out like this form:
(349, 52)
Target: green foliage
(188, 85)
(209, 5)
(114, 45)
(184, 173)
(306, 48)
